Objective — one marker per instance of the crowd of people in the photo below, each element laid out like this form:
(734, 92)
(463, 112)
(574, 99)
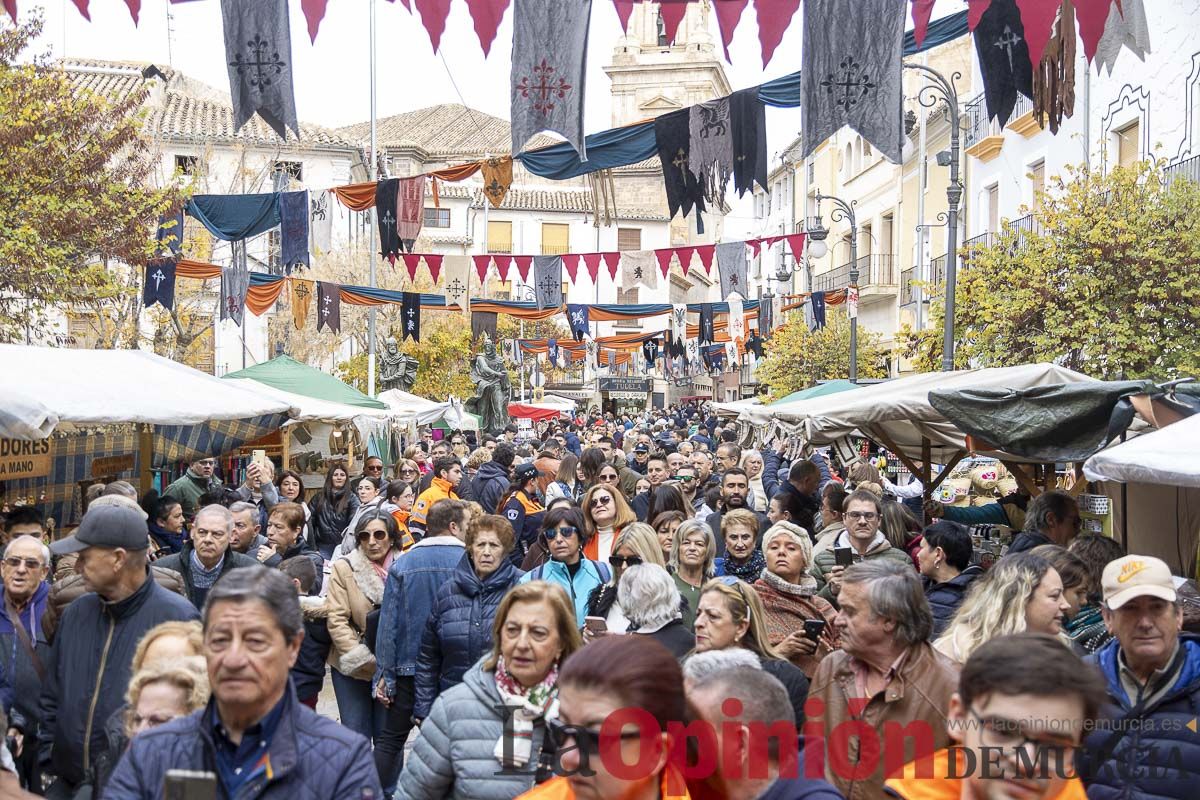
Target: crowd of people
(623, 607)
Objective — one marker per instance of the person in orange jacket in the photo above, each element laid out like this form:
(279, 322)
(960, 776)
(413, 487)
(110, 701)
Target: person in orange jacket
(447, 472)
(1020, 692)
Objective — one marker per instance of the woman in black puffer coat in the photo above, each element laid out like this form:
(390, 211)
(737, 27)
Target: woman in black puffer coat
(459, 631)
(332, 511)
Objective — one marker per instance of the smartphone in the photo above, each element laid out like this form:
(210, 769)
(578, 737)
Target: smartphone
(595, 624)
(259, 457)
(843, 556)
(813, 628)
(182, 784)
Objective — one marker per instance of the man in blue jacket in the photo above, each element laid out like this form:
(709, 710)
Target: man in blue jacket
(23, 646)
(88, 669)
(254, 734)
(1146, 745)
(412, 585)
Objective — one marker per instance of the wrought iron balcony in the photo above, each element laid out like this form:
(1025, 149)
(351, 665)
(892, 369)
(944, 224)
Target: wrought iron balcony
(876, 270)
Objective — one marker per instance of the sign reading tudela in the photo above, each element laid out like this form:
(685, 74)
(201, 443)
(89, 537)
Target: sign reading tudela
(24, 459)
(628, 385)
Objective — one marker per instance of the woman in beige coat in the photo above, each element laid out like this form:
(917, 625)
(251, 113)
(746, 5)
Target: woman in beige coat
(355, 589)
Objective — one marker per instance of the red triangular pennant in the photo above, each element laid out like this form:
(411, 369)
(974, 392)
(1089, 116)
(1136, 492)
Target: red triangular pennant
(592, 262)
(411, 262)
(624, 12)
(685, 258)
(796, 242)
(314, 12)
(481, 266)
(135, 8)
(82, 5)
(1092, 16)
(729, 14)
(664, 260)
(434, 263)
(672, 14)
(433, 17)
(11, 7)
(774, 16)
(706, 252)
(486, 14)
(755, 246)
(975, 9)
(613, 260)
(503, 263)
(523, 264)
(1038, 18)
(921, 11)
(403, 3)
(571, 265)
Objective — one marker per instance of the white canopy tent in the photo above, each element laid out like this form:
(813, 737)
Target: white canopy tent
(897, 413)
(1167, 456)
(559, 403)
(735, 408)
(427, 412)
(313, 408)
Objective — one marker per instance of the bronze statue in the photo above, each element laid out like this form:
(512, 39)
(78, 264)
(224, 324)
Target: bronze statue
(492, 388)
(396, 370)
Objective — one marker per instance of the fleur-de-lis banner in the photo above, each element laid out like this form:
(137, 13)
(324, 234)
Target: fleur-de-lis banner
(235, 280)
(851, 72)
(320, 222)
(170, 232)
(159, 286)
(1003, 59)
(731, 263)
(552, 351)
(547, 279)
(385, 217)
(549, 63)
(410, 316)
(302, 293)
(578, 318)
(293, 230)
(258, 51)
(497, 177)
(329, 306)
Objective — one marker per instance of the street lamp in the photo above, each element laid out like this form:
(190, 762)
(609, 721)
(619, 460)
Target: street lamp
(942, 88)
(841, 211)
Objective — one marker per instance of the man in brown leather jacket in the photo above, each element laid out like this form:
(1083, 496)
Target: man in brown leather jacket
(882, 700)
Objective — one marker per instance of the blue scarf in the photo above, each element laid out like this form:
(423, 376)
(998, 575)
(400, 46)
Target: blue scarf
(204, 578)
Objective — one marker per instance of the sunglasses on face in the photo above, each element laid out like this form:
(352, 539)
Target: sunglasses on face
(14, 562)
(408, 471)
(378, 536)
(586, 739)
(601, 501)
(624, 561)
(684, 478)
(566, 531)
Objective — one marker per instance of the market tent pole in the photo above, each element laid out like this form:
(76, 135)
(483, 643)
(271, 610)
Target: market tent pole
(145, 435)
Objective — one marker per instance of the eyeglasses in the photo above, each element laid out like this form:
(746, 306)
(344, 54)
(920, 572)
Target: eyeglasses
(865, 516)
(586, 739)
(610, 478)
(408, 471)
(624, 561)
(15, 562)
(601, 501)
(566, 531)
(684, 478)
(375, 468)
(378, 536)
(1008, 734)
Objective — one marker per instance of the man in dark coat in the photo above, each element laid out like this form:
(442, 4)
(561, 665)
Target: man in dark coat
(206, 556)
(23, 645)
(492, 479)
(88, 669)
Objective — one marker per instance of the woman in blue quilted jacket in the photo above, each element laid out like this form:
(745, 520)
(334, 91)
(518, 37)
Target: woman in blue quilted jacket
(459, 631)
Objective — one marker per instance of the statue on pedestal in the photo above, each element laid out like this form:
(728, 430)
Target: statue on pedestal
(492, 388)
(396, 370)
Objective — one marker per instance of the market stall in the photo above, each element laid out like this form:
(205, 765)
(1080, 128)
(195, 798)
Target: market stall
(449, 415)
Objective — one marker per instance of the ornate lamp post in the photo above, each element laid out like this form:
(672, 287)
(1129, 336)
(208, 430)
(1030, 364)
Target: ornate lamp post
(818, 233)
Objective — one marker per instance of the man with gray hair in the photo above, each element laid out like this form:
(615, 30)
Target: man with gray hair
(247, 535)
(89, 666)
(757, 745)
(700, 665)
(23, 645)
(649, 597)
(206, 555)
(886, 674)
(254, 733)
(1052, 518)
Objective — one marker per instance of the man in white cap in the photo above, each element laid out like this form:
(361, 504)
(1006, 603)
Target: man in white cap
(88, 670)
(1147, 745)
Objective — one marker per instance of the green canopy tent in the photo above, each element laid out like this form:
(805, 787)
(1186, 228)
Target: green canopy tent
(289, 375)
(820, 390)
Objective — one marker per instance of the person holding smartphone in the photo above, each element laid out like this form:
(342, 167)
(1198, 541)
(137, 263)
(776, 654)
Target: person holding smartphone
(861, 541)
(799, 623)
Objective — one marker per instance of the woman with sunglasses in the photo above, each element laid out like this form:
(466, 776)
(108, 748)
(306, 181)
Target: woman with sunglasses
(407, 470)
(731, 614)
(565, 540)
(637, 544)
(613, 675)
(605, 515)
(459, 630)
(332, 510)
(417, 455)
(355, 589)
(467, 748)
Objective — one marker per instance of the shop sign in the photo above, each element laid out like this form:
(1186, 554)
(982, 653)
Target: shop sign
(24, 459)
(112, 465)
(625, 385)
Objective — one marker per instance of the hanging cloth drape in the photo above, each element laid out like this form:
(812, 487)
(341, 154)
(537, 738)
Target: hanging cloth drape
(1054, 78)
(385, 218)
(301, 300)
(235, 280)
(1003, 59)
(673, 138)
(549, 64)
(320, 223)
(732, 265)
(748, 117)
(710, 154)
(497, 178)
(410, 208)
(159, 283)
(329, 306)
(410, 314)
(258, 50)
(230, 217)
(293, 230)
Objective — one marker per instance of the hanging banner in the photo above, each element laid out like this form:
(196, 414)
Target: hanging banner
(24, 459)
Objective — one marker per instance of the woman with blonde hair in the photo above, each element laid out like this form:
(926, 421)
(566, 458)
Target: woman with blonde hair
(731, 614)
(637, 544)
(164, 691)
(1021, 592)
(693, 553)
(605, 515)
(168, 640)
(752, 463)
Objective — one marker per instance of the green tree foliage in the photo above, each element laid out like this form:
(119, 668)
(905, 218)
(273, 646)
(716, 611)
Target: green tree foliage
(76, 195)
(797, 358)
(1107, 282)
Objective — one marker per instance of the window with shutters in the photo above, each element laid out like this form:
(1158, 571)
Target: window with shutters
(437, 218)
(1128, 149)
(556, 238)
(499, 237)
(1037, 183)
(628, 297)
(629, 238)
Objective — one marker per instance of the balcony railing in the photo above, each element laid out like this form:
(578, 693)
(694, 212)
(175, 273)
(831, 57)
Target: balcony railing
(979, 126)
(555, 250)
(1188, 169)
(906, 288)
(874, 269)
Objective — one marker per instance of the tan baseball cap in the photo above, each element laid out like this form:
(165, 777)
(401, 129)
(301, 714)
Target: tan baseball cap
(1137, 576)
